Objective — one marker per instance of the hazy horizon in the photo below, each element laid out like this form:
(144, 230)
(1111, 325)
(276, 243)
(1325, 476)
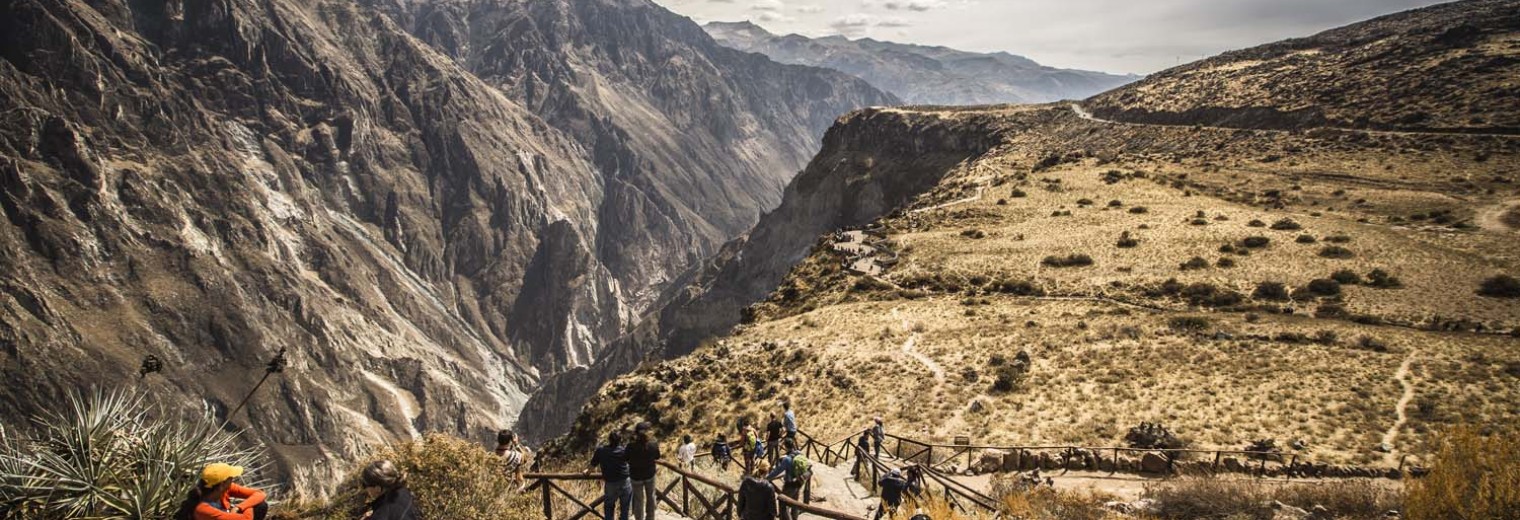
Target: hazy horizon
(1136, 38)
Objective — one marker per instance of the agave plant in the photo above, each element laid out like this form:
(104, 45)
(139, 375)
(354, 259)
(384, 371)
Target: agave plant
(112, 455)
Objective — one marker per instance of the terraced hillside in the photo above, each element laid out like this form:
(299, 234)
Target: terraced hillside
(1070, 277)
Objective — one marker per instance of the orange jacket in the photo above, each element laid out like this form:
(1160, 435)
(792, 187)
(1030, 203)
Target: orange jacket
(251, 497)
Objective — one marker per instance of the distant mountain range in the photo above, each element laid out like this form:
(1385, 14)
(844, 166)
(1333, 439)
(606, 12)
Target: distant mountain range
(920, 74)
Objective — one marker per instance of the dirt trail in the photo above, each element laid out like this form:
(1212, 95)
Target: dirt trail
(1499, 217)
(908, 348)
(1392, 434)
(973, 198)
(1084, 114)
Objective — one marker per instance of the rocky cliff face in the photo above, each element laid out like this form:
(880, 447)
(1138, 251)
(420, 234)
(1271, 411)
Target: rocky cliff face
(209, 182)
(921, 74)
(1445, 68)
(872, 162)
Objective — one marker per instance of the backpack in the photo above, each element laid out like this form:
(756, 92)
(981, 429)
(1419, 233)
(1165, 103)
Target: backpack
(750, 441)
(799, 469)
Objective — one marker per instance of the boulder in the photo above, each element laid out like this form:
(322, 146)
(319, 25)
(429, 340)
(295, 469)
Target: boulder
(1027, 461)
(1010, 462)
(1049, 462)
(1153, 463)
(988, 462)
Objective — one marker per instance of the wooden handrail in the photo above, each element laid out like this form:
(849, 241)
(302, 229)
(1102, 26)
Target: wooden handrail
(699, 478)
(561, 476)
(1068, 447)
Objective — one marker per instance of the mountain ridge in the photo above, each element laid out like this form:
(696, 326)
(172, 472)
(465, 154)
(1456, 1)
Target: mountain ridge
(922, 74)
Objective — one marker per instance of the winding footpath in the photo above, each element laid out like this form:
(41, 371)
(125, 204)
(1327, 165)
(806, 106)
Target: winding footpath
(908, 348)
(1401, 410)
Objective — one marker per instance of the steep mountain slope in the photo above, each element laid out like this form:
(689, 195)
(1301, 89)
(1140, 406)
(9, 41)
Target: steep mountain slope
(702, 138)
(1452, 67)
(212, 182)
(920, 74)
(1065, 278)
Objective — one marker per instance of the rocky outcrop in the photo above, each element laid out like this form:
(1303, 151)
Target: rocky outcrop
(873, 162)
(924, 75)
(1444, 68)
(210, 182)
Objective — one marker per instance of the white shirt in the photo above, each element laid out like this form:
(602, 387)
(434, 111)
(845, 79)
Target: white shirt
(687, 453)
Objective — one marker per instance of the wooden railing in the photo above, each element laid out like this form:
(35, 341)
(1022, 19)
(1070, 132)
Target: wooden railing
(836, 454)
(685, 493)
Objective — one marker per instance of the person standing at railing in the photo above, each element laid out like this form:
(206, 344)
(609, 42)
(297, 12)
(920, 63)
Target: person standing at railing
(687, 453)
(773, 438)
(643, 454)
(862, 450)
(757, 496)
(617, 489)
(790, 420)
(751, 445)
(879, 434)
(892, 487)
(795, 470)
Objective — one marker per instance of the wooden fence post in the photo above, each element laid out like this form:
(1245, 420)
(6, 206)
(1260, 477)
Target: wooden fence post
(548, 502)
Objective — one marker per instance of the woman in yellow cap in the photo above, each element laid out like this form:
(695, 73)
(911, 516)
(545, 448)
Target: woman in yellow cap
(212, 499)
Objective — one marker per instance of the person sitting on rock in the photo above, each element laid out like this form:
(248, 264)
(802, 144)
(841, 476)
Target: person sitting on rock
(757, 496)
(213, 498)
(385, 486)
(892, 487)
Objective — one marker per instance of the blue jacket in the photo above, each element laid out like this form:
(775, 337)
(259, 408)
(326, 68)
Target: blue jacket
(613, 460)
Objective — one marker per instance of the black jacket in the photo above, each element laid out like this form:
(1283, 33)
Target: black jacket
(396, 504)
(641, 457)
(757, 499)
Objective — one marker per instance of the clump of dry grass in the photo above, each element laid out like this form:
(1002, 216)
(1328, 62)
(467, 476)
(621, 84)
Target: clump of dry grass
(1474, 476)
(1194, 498)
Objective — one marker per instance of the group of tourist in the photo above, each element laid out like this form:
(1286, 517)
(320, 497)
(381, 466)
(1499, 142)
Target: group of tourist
(627, 465)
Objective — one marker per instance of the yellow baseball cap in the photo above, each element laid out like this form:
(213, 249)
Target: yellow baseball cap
(217, 473)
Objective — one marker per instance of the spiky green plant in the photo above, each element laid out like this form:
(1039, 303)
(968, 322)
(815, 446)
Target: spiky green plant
(112, 454)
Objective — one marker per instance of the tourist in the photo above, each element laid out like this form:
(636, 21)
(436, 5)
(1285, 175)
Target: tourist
(795, 471)
(879, 434)
(213, 498)
(790, 420)
(722, 454)
(892, 487)
(751, 445)
(643, 453)
(388, 497)
(915, 476)
(687, 453)
(617, 489)
(515, 457)
(862, 450)
(757, 496)
(773, 431)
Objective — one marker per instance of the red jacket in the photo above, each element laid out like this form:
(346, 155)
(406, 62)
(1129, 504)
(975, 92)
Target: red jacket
(251, 497)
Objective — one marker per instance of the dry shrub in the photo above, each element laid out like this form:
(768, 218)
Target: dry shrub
(1050, 504)
(1196, 498)
(450, 477)
(1473, 477)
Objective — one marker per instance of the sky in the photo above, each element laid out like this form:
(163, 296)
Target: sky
(1120, 36)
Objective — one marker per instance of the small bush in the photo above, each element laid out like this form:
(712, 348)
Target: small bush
(1126, 241)
(1324, 287)
(1381, 279)
(1191, 498)
(1071, 260)
(1189, 324)
(1017, 194)
(1084, 202)
(1199, 222)
(450, 478)
(1195, 263)
(1306, 239)
(1207, 295)
(1274, 291)
(974, 234)
(1255, 242)
(1336, 252)
(1153, 436)
(1227, 248)
(1115, 204)
(1225, 263)
(1286, 224)
(1139, 210)
(1338, 239)
(1501, 286)
(1256, 223)
(1473, 476)
(1346, 277)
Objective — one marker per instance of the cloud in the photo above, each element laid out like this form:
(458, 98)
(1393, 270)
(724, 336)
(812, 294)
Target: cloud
(810, 9)
(906, 5)
(768, 5)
